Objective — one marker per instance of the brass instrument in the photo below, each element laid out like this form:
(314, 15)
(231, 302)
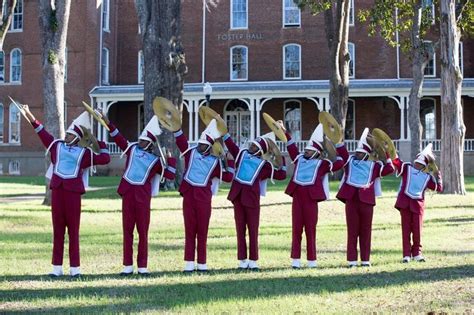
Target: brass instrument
(207, 114)
(275, 127)
(332, 129)
(97, 116)
(89, 141)
(167, 113)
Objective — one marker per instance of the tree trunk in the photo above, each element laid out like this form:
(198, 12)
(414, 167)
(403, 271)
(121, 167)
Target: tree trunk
(164, 62)
(453, 129)
(53, 24)
(6, 15)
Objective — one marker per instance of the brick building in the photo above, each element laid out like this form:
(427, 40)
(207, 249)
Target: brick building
(274, 62)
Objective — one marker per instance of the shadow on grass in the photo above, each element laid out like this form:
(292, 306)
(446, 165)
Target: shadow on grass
(149, 297)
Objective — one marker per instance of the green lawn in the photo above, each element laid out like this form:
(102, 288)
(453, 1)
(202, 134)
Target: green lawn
(443, 284)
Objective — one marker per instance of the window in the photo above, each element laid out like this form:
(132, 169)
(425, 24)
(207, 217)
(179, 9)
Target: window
(14, 128)
(65, 115)
(428, 118)
(429, 9)
(291, 13)
(239, 14)
(105, 15)
(2, 67)
(17, 20)
(292, 116)
(430, 69)
(461, 61)
(349, 131)
(239, 63)
(65, 65)
(15, 66)
(1, 123)
(351, 13)
(351, 48)
(14, 167)
(292, 61)
(105, 66)
(141, 67)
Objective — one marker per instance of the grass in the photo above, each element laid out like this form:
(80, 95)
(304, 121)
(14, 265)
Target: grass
(443, 284)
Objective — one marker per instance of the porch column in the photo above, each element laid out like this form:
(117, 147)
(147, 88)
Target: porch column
(252, 117)
(190, 107)
(258, 107)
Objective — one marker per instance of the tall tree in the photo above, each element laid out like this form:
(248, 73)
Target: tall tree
(336, 17)
(412, 20)
(53, 24)
(7, 7)
(164, 60)
(453, 129)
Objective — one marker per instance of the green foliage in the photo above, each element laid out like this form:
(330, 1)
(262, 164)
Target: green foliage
(52, 57)
(465, 13)
(53, 21)
(315, 6)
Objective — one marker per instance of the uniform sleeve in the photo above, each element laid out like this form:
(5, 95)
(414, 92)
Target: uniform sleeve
(119, 139)
(45, 137)
(229, 171)
(387, 168)
(342, 152)
(170, 170)
(291, 147)
(280, 174)
(181, 140)
(104, 156)
(231, 146)
(398, 164)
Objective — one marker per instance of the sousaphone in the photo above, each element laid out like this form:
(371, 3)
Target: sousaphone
(167, 114)
(332, 129)
(275, 127)
(383, 139)
(97, 116)
(89, 141)
(207, 114)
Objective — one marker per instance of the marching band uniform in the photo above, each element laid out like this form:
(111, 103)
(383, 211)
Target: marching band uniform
(359, 187)
(308, 186)
(202, 174)
(411, 201)
(69, 167)
(140, 181)
(248, 185)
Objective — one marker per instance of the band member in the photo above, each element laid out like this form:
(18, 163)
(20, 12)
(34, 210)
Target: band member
(202, 174)
(308, 186)
(140, 181)
(247, 187)
(360, 186)
(69, 166)
(411, 200)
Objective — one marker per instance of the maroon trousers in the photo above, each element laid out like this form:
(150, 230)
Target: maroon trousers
(304, 215)
(135, 213)
(412, 224)
(359, 226)
(246, 217)
(66, 212)
(196, 215)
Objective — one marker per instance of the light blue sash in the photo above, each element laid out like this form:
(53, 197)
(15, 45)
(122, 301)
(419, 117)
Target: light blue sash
(200, 168)
(139, 166)
(360, 173)
(306, 171)
(249, 168)
(68, 161)
(416, 183)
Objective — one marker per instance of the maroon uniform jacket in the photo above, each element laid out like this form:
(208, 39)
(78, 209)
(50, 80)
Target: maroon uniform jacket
(200, 193)
(316, 190)
(250, 195)
(366, 195)
(404, 201)
(141, 191)
(74, 184)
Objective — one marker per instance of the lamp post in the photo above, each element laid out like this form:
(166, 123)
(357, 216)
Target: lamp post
(207, 89)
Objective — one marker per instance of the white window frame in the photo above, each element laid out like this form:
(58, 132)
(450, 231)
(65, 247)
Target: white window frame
(284, 62)
(65, 64)
(2, 123)
(351, 13)
(284, 16)
(65, 115)
(14, 167)
(105, 66)
(141, 73)
(433, 13)
(461, 57)
(11, 29)
(106, 15)
(246, 62)
(10, 141)
(20, 65)
(435, 118)
(2, 60)
(232, 16)
(352, 58)
(434, 65)
(351, 101)
(301, 115)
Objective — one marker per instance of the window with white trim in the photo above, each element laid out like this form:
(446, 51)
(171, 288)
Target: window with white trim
(141, 67)
(105, 66)
(65, 64)
(239, 14)
(292, 118)
(351, 13)
(351, 49)
(291, 14)
(292, 61)
(17, 20)
(461, 56)
(239, 62)
(15, 66)
(429, 7)
(2, 67)
(1, 122)
(430, 69)
(349, 131)
(14, 124)
(14, 167)
(106, 15)
(428, 118)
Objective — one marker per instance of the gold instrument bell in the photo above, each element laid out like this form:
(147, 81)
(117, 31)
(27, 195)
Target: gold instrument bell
(94, 114)
(207, 114)
(275, 127)
(332, 129)
(167, 113)
(378, 150)
(273, 154)
(89, 141)
(384, 140)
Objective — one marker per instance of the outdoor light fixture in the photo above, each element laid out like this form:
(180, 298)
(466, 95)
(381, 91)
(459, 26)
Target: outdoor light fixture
(207, 89)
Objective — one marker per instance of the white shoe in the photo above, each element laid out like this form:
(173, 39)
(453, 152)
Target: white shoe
(75, 271)
(57, 271)
(312, 263)
(253, 265)
(243, 264)
(406, 259)
(189, 266)
(365, 264)
(127, 270)
(296, 263)
(143, 271)
(419, 258)
(352, 264)
(202, 267)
